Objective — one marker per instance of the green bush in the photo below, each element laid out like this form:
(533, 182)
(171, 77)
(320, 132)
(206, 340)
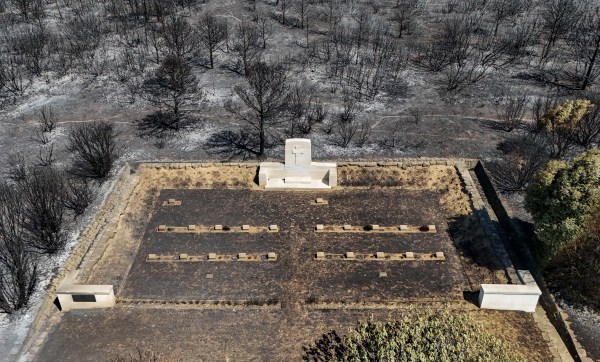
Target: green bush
(418, 336)
(560, 199)
(574, 272)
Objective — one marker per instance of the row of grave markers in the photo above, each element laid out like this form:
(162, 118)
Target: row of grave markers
(271, 256)
(318, 228)
(174, 202)
(217, 228)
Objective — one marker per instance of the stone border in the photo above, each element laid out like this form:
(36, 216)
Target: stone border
(480, 210)
(376, 229)
(212, 257)
(216, 229)
(380, 256)
(517, 240)
(78, 256)
(399, 162)
(199, 304)
(80, 253)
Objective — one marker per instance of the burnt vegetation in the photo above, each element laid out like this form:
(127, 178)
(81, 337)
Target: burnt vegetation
(268, 70)
(359, 52)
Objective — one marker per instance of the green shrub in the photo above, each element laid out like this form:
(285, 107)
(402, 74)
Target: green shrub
(560, 200)
(422, 336)
(574, 272)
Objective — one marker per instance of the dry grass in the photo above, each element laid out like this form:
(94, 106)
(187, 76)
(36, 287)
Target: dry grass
(230, 177)
(442, 179)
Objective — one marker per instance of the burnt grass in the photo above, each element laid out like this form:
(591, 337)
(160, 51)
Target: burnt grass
(296, 275)
(313, 297)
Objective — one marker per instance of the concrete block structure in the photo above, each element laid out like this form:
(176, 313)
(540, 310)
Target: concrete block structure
(77, 296)
(521, 297)
(298, 172)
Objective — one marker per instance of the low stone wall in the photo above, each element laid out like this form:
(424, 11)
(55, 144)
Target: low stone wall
(86, 239)
(399, 162)
(519, 241)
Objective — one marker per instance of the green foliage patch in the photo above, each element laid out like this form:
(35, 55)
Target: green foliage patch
(441, 335)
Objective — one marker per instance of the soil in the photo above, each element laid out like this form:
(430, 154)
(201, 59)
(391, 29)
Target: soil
(312, 296)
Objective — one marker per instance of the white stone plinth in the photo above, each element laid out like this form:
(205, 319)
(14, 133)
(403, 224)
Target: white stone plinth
(72, 296)
(520, 297)
(298, 172)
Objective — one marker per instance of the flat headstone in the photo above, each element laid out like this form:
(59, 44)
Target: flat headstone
(320, 255)
(273, 227)
(209, 276)
(347, 227)
(320, 200)
(403, 227)
(320, 227)
(162, 227)
(431, 227)
(171, 201)
(218, 227)
(152, 257)
(380, 255)
(184, 256)
(245, 227)
(375, 227)
(191, 227)
(212, 256)
(271, 256)
(382, 274)
(439, 254)
(350, 255)
(242, 256)
(410, 255)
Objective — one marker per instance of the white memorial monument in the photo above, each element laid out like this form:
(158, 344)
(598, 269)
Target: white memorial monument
(298, 172)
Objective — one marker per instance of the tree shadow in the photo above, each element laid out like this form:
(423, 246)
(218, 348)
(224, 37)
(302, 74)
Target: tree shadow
(159, 126)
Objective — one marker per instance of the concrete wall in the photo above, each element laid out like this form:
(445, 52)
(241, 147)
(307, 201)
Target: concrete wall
(96, 296)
